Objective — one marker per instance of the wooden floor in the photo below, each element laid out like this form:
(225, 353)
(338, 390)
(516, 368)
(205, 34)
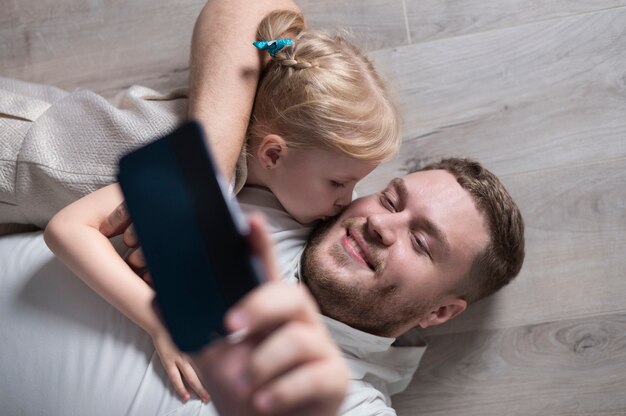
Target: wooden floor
(536, 90)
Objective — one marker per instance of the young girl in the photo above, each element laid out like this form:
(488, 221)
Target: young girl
(322, 120)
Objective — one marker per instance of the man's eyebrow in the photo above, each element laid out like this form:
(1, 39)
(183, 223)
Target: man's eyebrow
(431, 228)
(436, 232)
(400, 187)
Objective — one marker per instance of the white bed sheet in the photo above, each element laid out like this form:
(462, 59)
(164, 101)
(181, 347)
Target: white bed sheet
(64, 351)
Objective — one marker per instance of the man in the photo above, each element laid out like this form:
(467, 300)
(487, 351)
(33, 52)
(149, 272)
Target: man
(416, 254)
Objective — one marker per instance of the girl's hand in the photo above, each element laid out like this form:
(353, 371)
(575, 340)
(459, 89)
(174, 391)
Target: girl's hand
(178, 367)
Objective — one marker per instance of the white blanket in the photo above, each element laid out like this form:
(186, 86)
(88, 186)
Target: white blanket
(65, 351)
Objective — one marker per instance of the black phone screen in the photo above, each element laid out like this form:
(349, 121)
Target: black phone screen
(191, 233)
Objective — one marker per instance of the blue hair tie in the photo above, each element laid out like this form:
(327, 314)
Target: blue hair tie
(272, 46)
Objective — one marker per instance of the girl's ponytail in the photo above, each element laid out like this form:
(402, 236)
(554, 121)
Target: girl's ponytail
(281, 24)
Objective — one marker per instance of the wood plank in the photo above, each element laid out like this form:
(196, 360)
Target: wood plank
(434, 19)
(107, 46)
(96, 45)
(575, 243)
(532, 97)
(573, 367)
(375, 24)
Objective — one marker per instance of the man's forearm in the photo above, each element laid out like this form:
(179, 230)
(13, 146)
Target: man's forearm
(224, 72)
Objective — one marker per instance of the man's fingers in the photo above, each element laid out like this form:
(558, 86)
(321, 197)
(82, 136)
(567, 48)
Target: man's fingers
(130, 237)
(302, 388)
(262, 246)
(116, 222)
(272, 305)
(290, 346)
(136, 260)
(145, 275)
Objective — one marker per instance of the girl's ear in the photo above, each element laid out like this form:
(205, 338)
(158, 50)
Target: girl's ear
(270, 151)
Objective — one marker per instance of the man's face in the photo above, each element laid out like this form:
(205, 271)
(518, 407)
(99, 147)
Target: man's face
(392, 259)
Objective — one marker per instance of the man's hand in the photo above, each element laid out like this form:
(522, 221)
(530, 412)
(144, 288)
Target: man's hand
(286, 364)
(118, 222)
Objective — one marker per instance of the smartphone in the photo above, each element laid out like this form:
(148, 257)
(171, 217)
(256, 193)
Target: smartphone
(192, 233)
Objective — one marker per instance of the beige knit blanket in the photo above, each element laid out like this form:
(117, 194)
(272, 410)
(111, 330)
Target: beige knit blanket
(56, 146)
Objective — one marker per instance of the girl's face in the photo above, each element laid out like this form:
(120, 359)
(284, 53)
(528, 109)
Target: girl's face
(314, 184)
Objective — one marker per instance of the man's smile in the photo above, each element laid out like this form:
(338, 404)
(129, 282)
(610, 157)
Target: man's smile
(357, 248)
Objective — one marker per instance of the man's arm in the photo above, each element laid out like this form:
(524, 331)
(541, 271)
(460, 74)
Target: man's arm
(224, 72)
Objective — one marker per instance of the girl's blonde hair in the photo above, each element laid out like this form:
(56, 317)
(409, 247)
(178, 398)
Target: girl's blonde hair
(323, 92)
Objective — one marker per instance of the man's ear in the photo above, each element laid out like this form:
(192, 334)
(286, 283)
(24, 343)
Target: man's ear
(447, 309)
(270, 151)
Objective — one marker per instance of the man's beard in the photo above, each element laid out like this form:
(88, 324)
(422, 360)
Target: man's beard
(377, 310)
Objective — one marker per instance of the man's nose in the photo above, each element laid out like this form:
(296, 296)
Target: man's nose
(383, 227)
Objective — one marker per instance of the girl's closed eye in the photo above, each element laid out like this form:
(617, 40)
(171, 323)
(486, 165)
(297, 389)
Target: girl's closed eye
(336, 184)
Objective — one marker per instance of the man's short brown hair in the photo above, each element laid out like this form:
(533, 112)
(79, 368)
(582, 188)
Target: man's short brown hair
(497, 264)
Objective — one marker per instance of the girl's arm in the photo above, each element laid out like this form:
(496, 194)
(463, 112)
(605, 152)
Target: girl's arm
(73, 236)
